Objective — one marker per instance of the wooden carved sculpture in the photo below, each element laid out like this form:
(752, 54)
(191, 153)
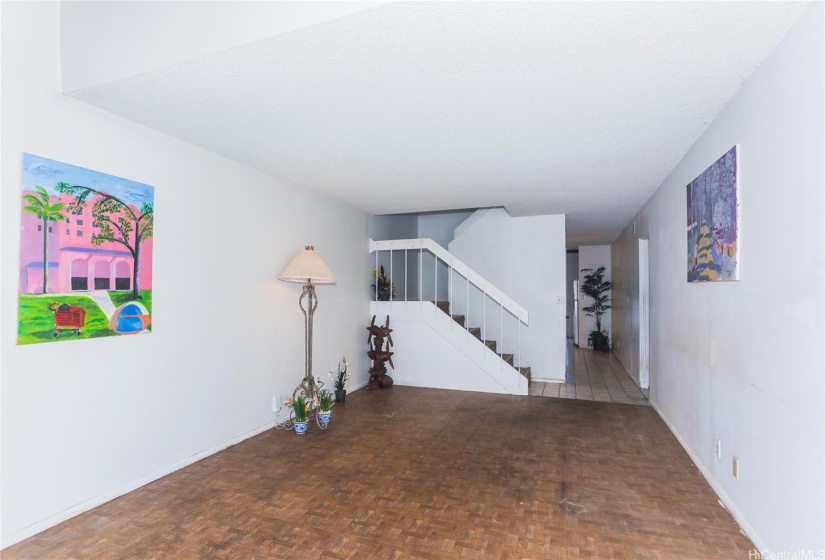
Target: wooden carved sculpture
(379, 356)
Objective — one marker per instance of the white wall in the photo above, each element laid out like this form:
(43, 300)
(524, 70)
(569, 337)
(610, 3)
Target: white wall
(744, 361)
(85, 420)
(440, 367)
(525, 258)
(393, 226)
(592, 256)
(98, 38)
(453, 358)
(440, 226)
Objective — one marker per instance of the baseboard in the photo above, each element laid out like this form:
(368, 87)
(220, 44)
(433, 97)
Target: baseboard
(453, 388)
(725, 500)
(58, 518)
(361, 385)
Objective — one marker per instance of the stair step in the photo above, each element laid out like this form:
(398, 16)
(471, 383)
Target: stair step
(507, 358)
(443, 306)
(525, 371)
(475, 331)
(459, 319)
(491, 344)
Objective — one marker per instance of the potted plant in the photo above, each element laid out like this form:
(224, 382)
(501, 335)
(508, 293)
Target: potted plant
(597, 288)
(383, 285)
(340, 376)
(325, 403)
(300, 408)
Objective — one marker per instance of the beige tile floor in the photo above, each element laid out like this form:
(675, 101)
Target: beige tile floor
(592, 376)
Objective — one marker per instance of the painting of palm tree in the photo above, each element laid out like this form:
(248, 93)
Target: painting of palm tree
(41, 206)
(85, 261)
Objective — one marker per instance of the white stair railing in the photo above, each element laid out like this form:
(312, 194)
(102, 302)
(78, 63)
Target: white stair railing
(387, 251)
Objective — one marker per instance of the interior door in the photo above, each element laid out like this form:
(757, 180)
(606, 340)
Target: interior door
(575, 299)
(644, 314)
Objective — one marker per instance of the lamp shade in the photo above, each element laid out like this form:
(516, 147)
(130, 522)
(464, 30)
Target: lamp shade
(307, 266)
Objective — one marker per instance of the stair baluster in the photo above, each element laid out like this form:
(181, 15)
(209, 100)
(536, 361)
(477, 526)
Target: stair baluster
(501, 329)
(421, 275)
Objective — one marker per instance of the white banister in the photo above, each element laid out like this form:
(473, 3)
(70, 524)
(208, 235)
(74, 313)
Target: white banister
(456, 264)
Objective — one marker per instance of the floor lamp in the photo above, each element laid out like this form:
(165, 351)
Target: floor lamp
(309, 269)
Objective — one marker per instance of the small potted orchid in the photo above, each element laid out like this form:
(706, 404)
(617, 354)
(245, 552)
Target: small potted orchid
(325, 404)
(383, 287)
(340, 376)
(300, 407)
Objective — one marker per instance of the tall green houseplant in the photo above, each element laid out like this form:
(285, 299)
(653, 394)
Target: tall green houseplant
(597, 288)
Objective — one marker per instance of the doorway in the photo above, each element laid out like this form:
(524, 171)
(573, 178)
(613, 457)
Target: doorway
(644, 314)
(571, 282)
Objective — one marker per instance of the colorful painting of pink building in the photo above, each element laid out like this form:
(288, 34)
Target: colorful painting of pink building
(74, 264)
(85, 236)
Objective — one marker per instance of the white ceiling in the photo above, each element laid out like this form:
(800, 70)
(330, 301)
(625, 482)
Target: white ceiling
(540, 107)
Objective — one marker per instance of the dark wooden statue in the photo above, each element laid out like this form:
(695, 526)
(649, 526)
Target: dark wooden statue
(379, 356)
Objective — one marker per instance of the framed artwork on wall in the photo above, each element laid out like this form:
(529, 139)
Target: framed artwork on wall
(713, 221)
(85, 264)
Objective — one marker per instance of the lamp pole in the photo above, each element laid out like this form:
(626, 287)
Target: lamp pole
(312, 303)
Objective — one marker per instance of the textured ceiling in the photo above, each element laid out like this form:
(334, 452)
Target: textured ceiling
(579, 108)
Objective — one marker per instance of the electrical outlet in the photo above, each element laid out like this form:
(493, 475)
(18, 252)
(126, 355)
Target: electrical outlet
(735, 467)
(276, 403)
(718, 448)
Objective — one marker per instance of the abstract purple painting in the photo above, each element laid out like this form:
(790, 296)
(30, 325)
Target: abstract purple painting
(713, 221)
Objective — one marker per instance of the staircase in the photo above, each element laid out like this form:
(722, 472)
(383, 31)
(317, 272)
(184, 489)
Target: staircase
(453, 329)
(476, 332)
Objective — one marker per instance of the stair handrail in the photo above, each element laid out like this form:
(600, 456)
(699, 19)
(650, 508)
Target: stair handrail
(456, 264)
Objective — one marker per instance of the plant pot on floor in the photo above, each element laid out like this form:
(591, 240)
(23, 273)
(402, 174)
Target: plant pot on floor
(341, 396)
(301, 427)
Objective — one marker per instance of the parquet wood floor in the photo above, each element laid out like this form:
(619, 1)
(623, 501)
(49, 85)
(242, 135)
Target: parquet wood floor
(424, 473)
